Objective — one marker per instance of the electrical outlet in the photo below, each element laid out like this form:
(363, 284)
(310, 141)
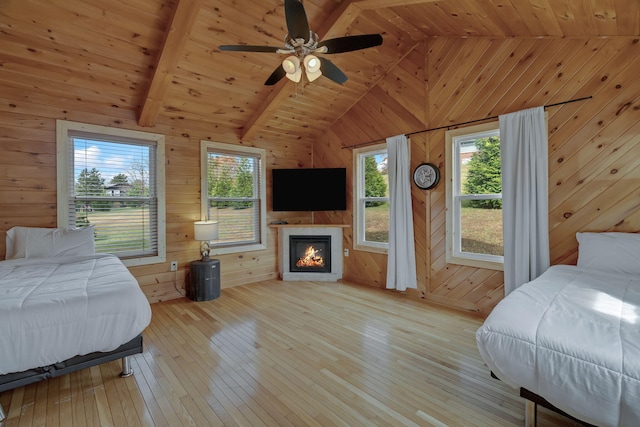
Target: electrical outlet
(346, 252)
(174, 265)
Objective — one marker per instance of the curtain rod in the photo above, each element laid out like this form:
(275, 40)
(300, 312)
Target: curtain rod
(362, 144)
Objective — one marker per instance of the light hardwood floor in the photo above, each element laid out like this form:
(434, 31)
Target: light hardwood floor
(288, 354)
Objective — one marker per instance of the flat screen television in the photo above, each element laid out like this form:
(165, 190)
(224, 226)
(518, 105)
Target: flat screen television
(317, 189)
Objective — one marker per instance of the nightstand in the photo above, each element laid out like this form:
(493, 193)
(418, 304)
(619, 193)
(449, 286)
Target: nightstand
(204, 281)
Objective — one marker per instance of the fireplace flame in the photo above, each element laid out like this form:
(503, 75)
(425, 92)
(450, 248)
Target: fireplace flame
(311, 258)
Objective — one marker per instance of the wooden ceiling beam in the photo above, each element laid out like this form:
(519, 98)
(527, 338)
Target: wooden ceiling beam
(337, 23)
(177, 34)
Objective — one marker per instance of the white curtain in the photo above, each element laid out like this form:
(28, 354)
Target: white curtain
(525, 205)
(401, 264)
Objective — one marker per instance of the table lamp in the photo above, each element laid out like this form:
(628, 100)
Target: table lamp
(205, 231)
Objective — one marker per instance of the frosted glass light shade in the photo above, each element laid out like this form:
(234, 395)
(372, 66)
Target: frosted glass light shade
(291, 66)
(312, 67)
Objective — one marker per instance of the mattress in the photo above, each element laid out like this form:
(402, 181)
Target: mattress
(571, 336)
(53, 309)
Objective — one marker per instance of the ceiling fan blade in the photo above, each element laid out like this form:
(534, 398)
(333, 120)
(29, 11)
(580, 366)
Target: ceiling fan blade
(248, 48)
(276, 76)
(350, 43)
(296, 17)
(332, 72)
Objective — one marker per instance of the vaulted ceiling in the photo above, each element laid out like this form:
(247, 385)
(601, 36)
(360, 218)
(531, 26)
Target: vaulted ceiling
(159, 59)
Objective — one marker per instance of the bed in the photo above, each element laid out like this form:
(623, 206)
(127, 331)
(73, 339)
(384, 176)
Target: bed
(64, 307)
(570, 339)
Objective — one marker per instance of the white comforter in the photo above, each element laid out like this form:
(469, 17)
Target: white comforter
(571, 336)
(52, 309)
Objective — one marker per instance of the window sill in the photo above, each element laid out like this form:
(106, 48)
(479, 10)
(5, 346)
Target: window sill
(473, 262)
(371, 248)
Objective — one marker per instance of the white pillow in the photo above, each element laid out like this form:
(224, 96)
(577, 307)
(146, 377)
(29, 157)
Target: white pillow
(33, 242)
(16, 242)
(609, 252)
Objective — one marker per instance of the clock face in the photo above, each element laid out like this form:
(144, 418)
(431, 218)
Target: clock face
(426, 176)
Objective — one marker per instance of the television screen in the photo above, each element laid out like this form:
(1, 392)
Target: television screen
(319, 189)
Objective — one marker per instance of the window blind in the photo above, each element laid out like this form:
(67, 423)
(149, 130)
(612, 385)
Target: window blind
(112, 187)
(233, 194)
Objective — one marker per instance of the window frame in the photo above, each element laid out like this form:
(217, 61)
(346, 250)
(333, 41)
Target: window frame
(359, 242)
(63, 130)
(454, 254)
(234, 149)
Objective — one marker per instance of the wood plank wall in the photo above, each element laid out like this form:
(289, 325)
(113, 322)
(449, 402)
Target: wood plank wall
(594, 146)
(28, 180)
(594, 173)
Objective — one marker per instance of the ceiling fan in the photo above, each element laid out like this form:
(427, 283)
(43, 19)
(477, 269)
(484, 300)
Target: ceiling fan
(302, 44)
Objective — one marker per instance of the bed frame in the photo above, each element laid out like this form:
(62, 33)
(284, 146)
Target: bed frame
(19, 379)
(531, 408)
(533, 400)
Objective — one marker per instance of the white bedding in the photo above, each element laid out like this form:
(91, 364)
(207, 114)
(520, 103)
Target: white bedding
(571, 336)
(52, 309)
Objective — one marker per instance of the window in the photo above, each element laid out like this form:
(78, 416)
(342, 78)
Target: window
(371, 199)
(113, 179)
(233, 193)
(474, 199)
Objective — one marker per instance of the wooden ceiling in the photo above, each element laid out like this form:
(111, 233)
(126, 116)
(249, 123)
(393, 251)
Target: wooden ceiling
(158, 60)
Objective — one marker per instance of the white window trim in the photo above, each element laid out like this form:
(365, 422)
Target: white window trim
(358, 215)
(492, 262)
(204, 187)
(62, 162)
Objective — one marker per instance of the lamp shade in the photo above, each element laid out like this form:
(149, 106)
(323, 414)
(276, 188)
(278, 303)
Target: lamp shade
(312, 67)
(291, 66)
(205, 230)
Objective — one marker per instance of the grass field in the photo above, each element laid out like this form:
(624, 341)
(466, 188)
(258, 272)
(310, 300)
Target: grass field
(121, 229)
(483, 228)
(482, 231)
(377, 223)
(110, 226)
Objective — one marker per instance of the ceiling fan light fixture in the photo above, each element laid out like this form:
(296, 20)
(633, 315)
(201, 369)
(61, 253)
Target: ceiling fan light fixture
(312, 63)
(312, 67)
(291, 66)
(301, 43)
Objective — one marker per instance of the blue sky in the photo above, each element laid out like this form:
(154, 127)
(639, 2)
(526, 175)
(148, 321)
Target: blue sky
(109, 158)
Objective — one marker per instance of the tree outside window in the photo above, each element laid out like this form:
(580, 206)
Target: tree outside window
(474, 197)
(234, 187)
(371, 219)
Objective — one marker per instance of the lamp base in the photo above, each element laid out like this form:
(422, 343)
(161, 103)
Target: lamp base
(205, 249)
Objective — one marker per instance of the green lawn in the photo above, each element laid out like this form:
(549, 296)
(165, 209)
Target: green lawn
(377, 223)
(482, 231)
(233, 224)
(483, 228)
(121, 229)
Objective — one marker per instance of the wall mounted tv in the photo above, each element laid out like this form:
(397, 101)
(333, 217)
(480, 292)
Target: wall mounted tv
(317, 189)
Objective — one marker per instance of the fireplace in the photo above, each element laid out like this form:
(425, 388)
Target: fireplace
(326, 243)
(310, 254)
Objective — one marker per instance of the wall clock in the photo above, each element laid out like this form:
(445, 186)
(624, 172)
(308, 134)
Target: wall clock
(426, 176)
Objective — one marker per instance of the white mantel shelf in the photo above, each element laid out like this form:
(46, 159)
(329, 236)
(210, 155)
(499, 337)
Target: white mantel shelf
(333, 230)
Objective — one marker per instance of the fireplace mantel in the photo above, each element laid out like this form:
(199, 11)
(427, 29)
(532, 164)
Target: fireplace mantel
(333, 230)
